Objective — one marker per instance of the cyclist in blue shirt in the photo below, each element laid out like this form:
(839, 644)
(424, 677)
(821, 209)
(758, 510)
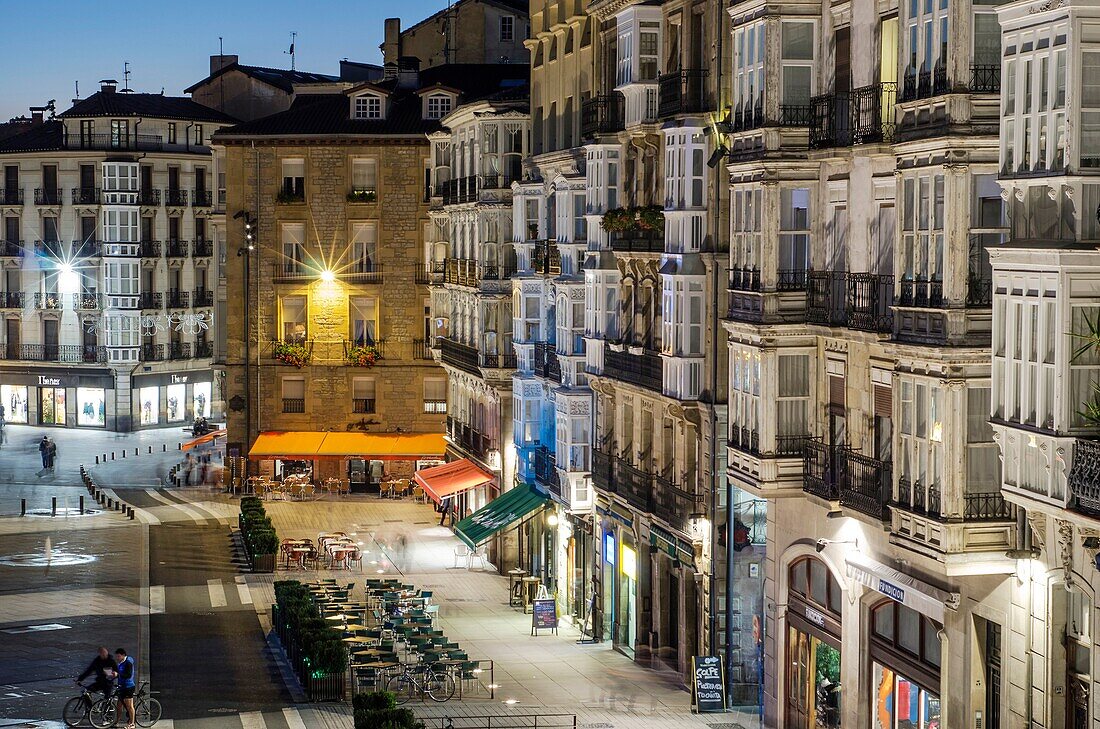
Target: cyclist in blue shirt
(125, 673)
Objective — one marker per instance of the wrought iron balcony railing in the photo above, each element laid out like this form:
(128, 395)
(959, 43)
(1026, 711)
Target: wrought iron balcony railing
(294, 404)
(821, 469)
(546, 471)
(11, 196)
(681, 92)
(175, 198)
(64, 353)
(152, 352)
(459, 355)
(177, 249)
(867, 485)
(435, 407)
(47, 301)
(460, 190)
(744, 279)
(497, 361)
(47, 196)
(204, 349)
(857, 300)
(638, 241)
(546, 259)
(546, 362)
(860, 116)
(88, 301)
(1084, 477)
(86, 196)
(178, 299)
(203, 297)
(179, 350)
(132, 142)
(674, 504)
(497, 182)
(362, 405)
(603, 114)
(151, 300)
(924, 85)
(363, 272)
(202, 198)
(920, 293)
(985, 78)
(421, 349)
(12, 299)
(11, 249)
(149, 197)
(645, 369)
(202, 248)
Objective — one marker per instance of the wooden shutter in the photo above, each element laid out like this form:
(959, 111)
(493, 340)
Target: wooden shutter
(884, 401)
(836, 390)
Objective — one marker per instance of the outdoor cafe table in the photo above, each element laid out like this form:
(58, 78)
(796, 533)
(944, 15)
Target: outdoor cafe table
(360, 639)
(372, 652)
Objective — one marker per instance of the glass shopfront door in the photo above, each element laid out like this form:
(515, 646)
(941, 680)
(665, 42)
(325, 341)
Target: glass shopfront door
(628, 596)
(51, 405)
(813, 693)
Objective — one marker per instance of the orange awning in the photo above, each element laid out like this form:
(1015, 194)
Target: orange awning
(383, 446)
(311, 445)
(299, 444)
(452, 478)
(213, 435)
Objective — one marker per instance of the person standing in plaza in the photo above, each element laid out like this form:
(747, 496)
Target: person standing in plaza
(44, 451)
(126, 675)
(53, 454)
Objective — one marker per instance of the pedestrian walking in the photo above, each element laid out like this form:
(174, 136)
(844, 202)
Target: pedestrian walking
(53, 454)
(44, 451)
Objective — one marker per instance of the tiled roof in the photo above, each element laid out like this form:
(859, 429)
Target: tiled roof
(155, 106)
(42, 137)
(330, 114)
(280, 78)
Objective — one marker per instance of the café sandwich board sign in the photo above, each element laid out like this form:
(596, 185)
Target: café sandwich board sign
(708, 689)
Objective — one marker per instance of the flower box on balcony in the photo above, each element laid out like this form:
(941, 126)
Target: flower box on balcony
(363, 355)
(362, 196)
(293, 353)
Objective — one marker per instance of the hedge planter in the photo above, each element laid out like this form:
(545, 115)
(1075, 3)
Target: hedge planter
(263, 563)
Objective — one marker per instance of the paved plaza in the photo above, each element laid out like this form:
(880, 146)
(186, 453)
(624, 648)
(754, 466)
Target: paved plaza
(172, 585)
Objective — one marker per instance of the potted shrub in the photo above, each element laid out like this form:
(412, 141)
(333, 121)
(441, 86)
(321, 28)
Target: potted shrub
(289, 196)
(292, 353)
(650, 217)
(617, 220)
(532, 231)
(265, 545)
(363, 355)
(362, 196)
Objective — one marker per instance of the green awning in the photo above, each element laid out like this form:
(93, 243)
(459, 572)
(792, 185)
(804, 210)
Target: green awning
(500, 513)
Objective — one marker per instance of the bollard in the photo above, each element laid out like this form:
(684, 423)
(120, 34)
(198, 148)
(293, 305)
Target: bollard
(22, 507)
(112, 455)
(131, 514)
(124, 454)
(53, 506)
(179, 446)
(150, 449)
(82, 505)
(164, 447)
(104, 457)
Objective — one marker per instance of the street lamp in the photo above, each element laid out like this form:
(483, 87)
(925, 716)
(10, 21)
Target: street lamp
(243, 252)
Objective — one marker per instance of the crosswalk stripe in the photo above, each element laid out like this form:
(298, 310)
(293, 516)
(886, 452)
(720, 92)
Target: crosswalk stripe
(156, 599)
(253, 720)
(191, 513)
(293, 718)
(244, 594)
(217, 593)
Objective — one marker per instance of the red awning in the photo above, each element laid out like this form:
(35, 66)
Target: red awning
(452, 478)
(211, 436)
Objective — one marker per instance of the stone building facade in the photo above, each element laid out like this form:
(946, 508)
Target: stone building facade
(111, 264)
(467, 31)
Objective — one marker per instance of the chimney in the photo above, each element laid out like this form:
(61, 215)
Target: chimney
(108, 85)
(391, 45)
(37, 113)
(219, 62)
(408, 72)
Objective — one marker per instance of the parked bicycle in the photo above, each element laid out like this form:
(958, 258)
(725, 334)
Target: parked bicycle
(420, 680)
(104, 713)
(77, 708)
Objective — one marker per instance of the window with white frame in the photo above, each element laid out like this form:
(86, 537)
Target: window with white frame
(797, 72)
(293, 326)
(794, 237)
(526, 419)
(920, 460)
(439, 106)
(748, 74)
(528, 315)
(602, 179)
(120, 225)
(649, 48)
(926, 44)
(364, 247)
(294, 178)
(988, 228)
(1090, 104)
(120, 133)
(744, 397)
(685, 169)
(507, 28)
(293, 238)
(197, 135)
(120, 177)
(1025, 334)
(745, 228)
(983, 462)
(121, 278)
(363, 320)
(364, 175)
(922, 223)
(1034, 136)
(792, 406)
(368, 106)
(122, 331)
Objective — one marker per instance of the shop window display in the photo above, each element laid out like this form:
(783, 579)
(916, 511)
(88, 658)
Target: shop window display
(149, 402)
(51, 405)
(202, 399)
(176, 407)
(905, 661)
(13, 398)
(902, 704)
(91, 408)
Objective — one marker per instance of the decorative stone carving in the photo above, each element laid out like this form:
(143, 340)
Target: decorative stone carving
(1038, 522)
(1065, 549)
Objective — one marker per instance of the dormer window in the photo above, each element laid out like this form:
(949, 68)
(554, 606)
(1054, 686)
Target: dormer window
(439, 106)
(368, 106)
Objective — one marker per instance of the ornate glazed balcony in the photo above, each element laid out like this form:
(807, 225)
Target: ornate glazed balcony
(681, 92)
(603, 114)
(644, 370)
(1084, 477)
(867, 483)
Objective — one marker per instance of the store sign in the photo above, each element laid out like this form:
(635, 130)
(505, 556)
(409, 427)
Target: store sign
(44, 381)
(179, 379)
(629, 564)
(891, 591)
(708, 690)
(815, 617)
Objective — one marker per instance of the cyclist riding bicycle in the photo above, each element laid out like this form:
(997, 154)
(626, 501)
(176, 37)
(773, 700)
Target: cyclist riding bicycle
(99, 666)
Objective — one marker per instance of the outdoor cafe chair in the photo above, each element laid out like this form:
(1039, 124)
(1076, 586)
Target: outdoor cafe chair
(462, 553)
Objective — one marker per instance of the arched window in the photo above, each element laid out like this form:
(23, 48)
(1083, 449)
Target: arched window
(905, 666)
(811, 580)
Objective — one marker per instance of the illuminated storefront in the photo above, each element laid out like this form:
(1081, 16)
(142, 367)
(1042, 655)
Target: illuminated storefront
(176, 402)
(91, 406)
(905, 668)
(814, 626)
(13, 398)
(51, 405)
(170, 397)
(149, 405)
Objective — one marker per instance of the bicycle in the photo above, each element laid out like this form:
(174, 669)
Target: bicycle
(439, 686)
(147, 710)
(77, 708)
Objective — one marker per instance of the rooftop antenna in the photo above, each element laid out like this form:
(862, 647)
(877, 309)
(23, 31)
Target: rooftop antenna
(293, 35)
(126, 76)
(221, 47)
(77, 84)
